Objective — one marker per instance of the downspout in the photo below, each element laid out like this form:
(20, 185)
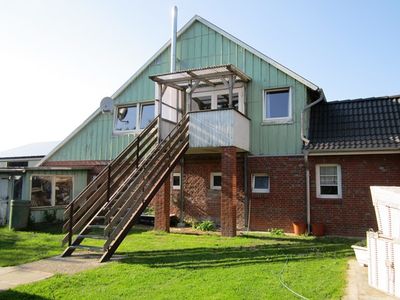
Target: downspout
(306, 152)
(173, 38)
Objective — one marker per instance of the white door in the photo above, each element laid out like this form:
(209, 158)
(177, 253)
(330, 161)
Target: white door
(4, 198)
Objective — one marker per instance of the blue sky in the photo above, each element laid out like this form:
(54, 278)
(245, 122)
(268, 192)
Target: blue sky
(58, 59)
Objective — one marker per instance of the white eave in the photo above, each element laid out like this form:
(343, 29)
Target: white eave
(228, 36)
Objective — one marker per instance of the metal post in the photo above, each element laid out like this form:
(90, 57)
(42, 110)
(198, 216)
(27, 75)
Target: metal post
(231, 83)
(71, 224)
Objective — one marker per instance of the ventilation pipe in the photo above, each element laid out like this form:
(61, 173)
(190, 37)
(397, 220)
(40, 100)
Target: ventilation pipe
(306, 162)
(173, 38)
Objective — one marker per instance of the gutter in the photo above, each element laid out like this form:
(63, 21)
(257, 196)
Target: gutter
(306, 153)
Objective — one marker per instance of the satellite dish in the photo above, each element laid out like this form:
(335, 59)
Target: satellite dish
(106, 105)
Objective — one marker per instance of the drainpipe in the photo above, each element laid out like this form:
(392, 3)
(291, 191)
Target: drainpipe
(245, 191)
(306, 152)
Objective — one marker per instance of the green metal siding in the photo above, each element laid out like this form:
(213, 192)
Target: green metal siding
(200, 46)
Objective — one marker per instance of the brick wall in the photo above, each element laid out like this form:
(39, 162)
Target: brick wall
(285, 203)
(201, 202)
(354, 213)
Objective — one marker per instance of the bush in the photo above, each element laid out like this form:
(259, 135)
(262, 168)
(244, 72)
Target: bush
(206, 225)
(276, 231)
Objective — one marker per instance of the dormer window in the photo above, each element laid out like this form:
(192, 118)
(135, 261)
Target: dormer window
(277, 106)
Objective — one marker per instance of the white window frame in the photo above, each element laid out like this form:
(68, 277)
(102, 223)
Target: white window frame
(318, 181)
(212, 186)
(253, 182)
(280, 120)
(222, 90)
(176, 187)
(138, 116)
(53, 187)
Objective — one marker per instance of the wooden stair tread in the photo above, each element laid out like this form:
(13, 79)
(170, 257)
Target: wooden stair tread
(90, 248)
(92, 236)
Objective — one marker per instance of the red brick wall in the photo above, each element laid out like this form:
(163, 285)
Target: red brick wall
(354, 213)
(201, 202)
(285, 203)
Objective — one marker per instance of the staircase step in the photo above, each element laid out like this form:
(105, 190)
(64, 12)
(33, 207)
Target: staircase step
(92, 236)
(90, 248)
(96, 226)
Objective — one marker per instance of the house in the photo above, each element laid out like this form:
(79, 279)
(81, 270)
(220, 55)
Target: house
(223, 132)
(13, 165)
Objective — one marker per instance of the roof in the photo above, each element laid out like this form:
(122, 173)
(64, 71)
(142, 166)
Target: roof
(228, 36)
(208, 76)
(360, 124)
(35, 150)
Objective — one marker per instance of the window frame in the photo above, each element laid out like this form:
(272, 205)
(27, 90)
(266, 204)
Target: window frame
(138, 106)
(176, 187)
(253, 181)
(318, 181)
(277, 120)
(53, 188)
(212, 186)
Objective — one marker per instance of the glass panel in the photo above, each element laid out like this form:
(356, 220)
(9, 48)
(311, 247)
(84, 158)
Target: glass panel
(126, 118)
(176, 180)
(17, 188)
(328, 170)
(64, 190)
(261, 182)
(217, 180)
(41, 191)
(329, 190)
(147, 115)
(277, 104)
(17, 164)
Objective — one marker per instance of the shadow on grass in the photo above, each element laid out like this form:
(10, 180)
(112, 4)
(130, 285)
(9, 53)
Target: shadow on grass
(198, 258)
(11, 294)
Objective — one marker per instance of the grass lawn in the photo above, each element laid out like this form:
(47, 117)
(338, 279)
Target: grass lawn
(18, 247)
(183, 266)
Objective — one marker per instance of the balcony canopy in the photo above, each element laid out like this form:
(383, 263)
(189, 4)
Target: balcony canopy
(209, 76)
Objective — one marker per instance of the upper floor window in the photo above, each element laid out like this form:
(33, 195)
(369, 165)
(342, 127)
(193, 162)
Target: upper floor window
(277, 105)
(329, 181)
(133, 117)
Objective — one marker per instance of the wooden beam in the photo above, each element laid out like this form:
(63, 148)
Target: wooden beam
(194, 76)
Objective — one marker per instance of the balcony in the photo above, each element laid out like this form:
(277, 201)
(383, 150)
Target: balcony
(211, 129)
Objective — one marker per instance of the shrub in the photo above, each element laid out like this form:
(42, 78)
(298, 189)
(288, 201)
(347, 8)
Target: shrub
(276, 231)
(206, 225)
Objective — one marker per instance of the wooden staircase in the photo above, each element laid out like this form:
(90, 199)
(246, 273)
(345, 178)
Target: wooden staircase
(110, 205)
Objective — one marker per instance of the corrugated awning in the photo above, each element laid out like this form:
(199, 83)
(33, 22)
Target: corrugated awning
(205, 76)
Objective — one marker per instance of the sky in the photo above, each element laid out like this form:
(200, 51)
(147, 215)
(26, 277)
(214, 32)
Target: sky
(58, 59)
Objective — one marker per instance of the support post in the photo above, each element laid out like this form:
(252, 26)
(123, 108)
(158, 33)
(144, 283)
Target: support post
(231, 83)
(162, 207)
(71, 223)
(228, 191)
(181, 195)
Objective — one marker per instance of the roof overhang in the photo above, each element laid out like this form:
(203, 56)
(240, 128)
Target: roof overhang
(210, 76)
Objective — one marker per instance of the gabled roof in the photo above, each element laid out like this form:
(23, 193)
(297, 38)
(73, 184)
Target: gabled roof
(228, 36)
(360, 124)
(162, 49)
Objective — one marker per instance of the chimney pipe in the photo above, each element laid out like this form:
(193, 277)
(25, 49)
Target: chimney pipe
(173, 38)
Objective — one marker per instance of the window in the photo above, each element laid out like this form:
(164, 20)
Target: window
(176, 181)
(51, 190)
(215, 181)
(133, 117)
(146, 115)
(16, 164)
(329, 181)
(277, 105)
(260, 183)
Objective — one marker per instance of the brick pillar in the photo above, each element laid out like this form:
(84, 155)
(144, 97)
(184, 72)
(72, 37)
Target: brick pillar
(162, 207)
(228, 191)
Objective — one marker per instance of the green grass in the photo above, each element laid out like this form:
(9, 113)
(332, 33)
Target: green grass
(18, 247)
(183, 266)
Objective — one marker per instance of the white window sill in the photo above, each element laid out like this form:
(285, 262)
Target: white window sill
(258, 191)
(123, 132)
(276, 122)
(176, 188)
(329, 196)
